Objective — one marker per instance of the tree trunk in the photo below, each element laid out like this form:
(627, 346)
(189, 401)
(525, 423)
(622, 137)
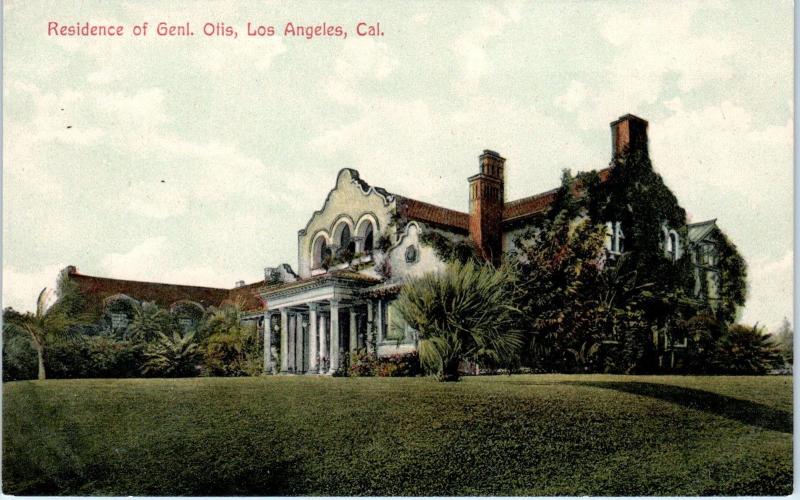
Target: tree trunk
(40, 355)
(450, 371)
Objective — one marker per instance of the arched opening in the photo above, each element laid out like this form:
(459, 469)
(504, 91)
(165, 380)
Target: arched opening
(118, 311)
(366, 236)
(320, 252)
(188, 314)
(346, 240)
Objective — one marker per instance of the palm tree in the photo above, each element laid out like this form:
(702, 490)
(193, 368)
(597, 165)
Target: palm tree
(175, 356)
(464, 313)
(46, 325)
(148, 321)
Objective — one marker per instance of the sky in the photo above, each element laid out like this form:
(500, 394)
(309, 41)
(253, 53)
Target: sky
(197, 159)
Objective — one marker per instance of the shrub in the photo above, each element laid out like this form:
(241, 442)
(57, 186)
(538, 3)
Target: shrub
(19, 358)
(399, 365)
(175, 356)
(363, 364)
(98, 356)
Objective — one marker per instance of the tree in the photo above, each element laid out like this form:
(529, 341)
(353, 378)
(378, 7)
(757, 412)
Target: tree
(47, 324)
(745, 350)
(785, 339)
(172, 356)
(148, 321)
(465, 313)
(230, 347)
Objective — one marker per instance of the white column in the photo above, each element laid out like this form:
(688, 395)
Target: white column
(284, 341)
(290, 344)
(334, 349)
(323, 350)
(353, 331)
(298, 343)
(267, 343)
(313, 354)
(370, 325)
(381, 312)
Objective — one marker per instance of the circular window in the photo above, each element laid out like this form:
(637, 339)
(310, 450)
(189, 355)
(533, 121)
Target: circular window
(411, 254)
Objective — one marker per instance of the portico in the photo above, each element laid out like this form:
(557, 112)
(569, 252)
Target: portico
(321, 322)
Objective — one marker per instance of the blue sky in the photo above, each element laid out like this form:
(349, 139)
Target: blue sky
(247, 135)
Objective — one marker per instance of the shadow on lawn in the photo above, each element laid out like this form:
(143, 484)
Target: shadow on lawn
(746, 412)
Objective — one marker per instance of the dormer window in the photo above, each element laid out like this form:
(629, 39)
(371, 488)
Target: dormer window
(615, 238)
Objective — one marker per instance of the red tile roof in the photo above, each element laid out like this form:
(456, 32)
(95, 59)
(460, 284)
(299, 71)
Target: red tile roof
(433, 214)
(512, 210)
(98, 289)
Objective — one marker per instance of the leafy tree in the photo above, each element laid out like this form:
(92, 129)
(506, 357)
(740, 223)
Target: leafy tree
(44, 326)
(464, 313)
(148, 321)
(745, 350)
(785, 339)
(172, 356)
(231, 347)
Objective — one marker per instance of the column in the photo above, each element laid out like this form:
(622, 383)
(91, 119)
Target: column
(370, 326)
(298, 343)
(267, 343)
(313, 353)
(381, 312)
(353, 331)
(290, 344)
(284, 341)
(334, 348)
(323, 351)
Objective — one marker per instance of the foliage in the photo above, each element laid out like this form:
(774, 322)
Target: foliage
(315, 436)
(367, 364)
(148, 322)
(174, 356)
(230, 347)
(450, 249)
(463, 313)
(19, 356)
(785, 339)
(383, 243)
(46, 325)
(99, 356)
(733, 277)
(745, 350)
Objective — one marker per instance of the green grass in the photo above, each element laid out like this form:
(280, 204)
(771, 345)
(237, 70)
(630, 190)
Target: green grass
(520, 435)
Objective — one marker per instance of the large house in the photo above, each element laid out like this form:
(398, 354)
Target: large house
(356, 251)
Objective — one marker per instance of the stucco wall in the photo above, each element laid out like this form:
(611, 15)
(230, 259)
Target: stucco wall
(349, 202)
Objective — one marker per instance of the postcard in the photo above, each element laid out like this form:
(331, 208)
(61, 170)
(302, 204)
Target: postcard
(482, 248)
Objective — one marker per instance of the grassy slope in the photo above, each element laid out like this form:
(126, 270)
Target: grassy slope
(521, 435)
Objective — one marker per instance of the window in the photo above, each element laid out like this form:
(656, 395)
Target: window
(346, 241)
(411, 254)
(369, 239)
(615, 239)
(396, 325)
(320, 252)
(118, 320)
(673, 246)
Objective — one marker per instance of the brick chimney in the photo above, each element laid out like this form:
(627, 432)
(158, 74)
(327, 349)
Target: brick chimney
(628, 132)
(486, 199)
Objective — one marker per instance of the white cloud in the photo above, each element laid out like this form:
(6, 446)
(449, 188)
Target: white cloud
(771, 283)
(21, 288)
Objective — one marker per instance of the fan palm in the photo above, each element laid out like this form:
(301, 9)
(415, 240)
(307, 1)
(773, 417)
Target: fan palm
(148, 321)
(44, 326)
(172, 356)
(464, 313)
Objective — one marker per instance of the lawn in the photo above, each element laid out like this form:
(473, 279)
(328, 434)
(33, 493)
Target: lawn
(518, 435)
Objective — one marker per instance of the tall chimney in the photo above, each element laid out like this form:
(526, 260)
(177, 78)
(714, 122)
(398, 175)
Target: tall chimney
(628, 132)
(486, 199)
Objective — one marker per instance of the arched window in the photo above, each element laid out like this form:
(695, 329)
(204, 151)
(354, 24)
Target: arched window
(366, 236)
(320, 252)
(346, 241)
(674, 245)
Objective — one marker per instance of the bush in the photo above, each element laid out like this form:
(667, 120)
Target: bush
(366, 364)
(19, 358)
(174, 356)
(98, 356)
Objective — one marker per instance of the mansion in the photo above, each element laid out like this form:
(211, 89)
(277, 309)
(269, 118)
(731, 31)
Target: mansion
(357, 250)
